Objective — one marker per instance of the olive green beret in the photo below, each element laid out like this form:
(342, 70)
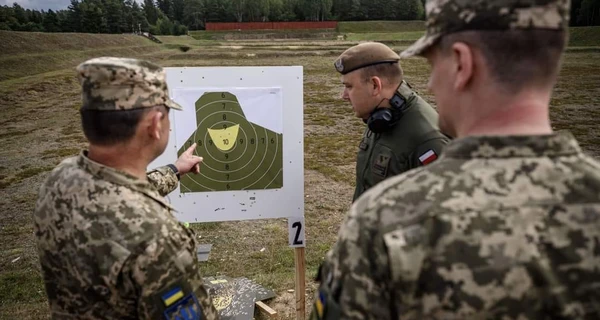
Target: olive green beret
(364, 55)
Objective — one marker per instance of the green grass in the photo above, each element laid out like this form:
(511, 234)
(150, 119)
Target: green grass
(400, 37)
(26, 64)
(22, 175)
(11, 134)
(15, 42)
(60, 153)
(380, 26)
(184, 40)
(30, 172)
(264, 34)
(21, 286)
(584, 36)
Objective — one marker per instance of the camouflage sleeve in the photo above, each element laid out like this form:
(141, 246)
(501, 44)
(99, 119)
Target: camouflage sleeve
(168, 280)
(163, 179)
(353, 278)
(428, 151)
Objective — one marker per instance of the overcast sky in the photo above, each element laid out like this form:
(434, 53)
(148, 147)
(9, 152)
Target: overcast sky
(41, 4)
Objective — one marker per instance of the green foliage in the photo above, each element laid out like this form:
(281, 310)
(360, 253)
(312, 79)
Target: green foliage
(176, 17)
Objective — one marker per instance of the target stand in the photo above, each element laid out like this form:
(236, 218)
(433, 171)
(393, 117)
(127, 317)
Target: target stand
(247, 123)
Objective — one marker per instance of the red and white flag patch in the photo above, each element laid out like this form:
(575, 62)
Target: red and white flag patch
(428, 157)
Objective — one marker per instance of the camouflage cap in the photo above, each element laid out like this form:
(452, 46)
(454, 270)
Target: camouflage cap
(110, 83)
(363, 55)
(449, 16)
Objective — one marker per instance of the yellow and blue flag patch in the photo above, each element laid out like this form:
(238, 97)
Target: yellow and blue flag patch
(320, 304)
(179, 306)
(172, 296)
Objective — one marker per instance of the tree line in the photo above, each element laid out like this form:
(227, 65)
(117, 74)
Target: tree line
(163, 17)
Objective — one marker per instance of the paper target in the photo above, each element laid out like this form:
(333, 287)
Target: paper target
(247, 123)
(238, 154)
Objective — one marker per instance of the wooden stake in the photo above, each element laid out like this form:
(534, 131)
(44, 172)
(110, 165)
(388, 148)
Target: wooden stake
(300, 285)
(266, 309)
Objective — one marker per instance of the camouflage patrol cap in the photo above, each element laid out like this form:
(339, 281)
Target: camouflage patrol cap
(110, 83)
(449, 16)
(364, 55)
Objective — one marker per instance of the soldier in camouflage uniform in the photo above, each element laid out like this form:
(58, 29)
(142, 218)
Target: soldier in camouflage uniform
(506, 223)
(109, 244)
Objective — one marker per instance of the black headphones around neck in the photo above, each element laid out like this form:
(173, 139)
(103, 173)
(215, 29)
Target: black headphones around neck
(383, 119)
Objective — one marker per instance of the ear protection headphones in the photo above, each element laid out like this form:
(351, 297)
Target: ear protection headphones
(383, 119)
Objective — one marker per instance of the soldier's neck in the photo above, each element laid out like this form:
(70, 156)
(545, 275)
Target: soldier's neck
(123, 157)
(526, 114)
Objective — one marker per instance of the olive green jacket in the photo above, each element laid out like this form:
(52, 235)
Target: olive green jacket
(414, 141)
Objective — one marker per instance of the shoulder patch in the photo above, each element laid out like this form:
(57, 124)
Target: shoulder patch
(428, 157)
(380, 166)
(180, 306)
(320, 304)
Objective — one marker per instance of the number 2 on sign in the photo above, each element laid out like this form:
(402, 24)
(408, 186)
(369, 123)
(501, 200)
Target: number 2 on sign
(296, 231)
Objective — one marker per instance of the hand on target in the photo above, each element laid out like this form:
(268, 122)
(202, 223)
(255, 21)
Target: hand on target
(188, 162)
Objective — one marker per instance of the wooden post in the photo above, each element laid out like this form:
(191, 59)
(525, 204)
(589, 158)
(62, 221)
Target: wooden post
(272, 314)
(300, 285)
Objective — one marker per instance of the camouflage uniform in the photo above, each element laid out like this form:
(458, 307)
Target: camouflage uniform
(163, 179)
(499, 227)
(109, 244)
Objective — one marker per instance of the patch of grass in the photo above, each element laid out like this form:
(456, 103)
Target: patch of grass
(389, 38)
(331, 172)
(21, 286)
(16, 230)
(584, 36)
(72, 137)
(69, 130)
(60, 153)
(205, 226)
(326, 34)
(583, 49)
(180, 47)
(329, 152)
(15, 42)
(322, 120)
(380, 26)
(6, 182)
(11, 134)
(181, 40)
(28, 173)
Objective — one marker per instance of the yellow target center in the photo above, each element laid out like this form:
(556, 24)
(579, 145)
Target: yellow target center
(224, 139)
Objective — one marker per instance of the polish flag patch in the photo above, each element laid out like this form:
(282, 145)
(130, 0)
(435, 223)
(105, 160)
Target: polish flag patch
(428, 157)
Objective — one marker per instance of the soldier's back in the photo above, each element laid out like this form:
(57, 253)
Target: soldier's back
(94, 226)
(498, 228)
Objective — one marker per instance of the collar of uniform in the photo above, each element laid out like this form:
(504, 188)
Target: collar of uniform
(551, 145)
(405, 91)
(119, 177)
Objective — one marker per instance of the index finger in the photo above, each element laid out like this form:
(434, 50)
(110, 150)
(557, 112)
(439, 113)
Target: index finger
(190, 150)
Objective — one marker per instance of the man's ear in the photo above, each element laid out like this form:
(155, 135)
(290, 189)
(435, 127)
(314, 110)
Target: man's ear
(376, 85)
(464, 63)
(155, 124)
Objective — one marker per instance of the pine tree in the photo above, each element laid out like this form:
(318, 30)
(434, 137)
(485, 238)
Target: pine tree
(51, 23)
(150, 11)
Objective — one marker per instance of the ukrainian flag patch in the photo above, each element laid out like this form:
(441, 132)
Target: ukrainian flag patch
(320, 304)
(185, 308)
(172, 296)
